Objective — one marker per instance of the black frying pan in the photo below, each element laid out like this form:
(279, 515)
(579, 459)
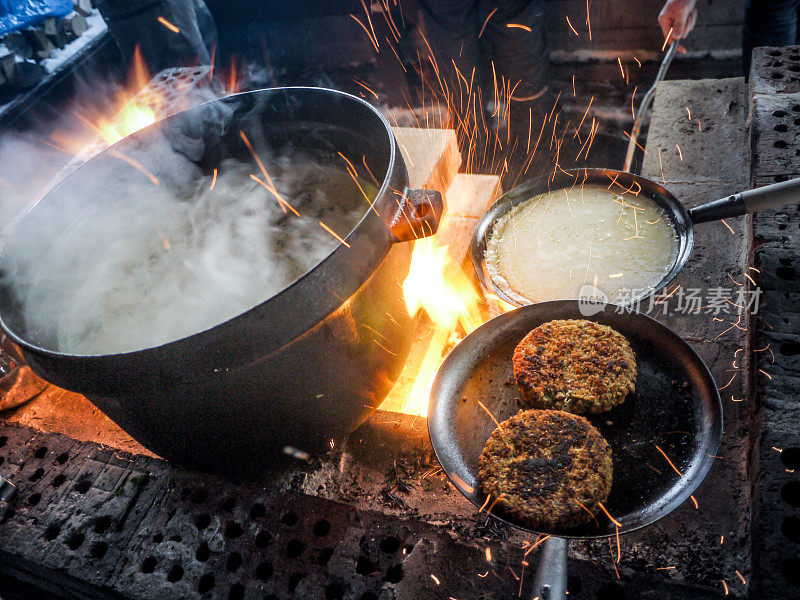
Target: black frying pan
(676, 406)
(683, 220)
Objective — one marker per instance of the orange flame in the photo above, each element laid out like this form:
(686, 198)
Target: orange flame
(437, 284)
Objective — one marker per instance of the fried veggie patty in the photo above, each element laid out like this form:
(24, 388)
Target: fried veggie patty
(574, 365)
(540, 466)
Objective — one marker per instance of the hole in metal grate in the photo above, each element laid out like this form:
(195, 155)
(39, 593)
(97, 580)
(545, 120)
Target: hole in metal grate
(36, 475)
(102, 524)
(34, 499)
(394, 574)
(228, 504)
(368, 596)
(790, 569)
(263, 538)
(98, 550)
(781, 127)
(234, 562)
(777, 75)
(779, 113)
(40, 452)
(175, 574)
(233, 530)
(75, 540)
(62, 458)
(203, 552)
(790, 348)
(83, 486)
(321, 528)
(294, 548)
(149, 565)
(52, 532)
(158, 538)
(202, 521)
(790, 492)
(236, 592)
(206, 583)
(264, 571)
(3, 440)
(289, 519)
(790, 528)
(59, 479)
(200, 496)
(780, 144)
(259, 511)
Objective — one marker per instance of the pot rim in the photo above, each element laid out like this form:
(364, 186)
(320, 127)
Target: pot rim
(369, 214)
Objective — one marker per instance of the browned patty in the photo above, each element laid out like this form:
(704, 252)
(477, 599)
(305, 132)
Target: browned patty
(547, 468)
(574, 365)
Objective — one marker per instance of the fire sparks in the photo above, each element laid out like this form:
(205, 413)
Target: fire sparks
(571, 27)
(168, 25)
(333, 233)
(518, 26)
(671, 464)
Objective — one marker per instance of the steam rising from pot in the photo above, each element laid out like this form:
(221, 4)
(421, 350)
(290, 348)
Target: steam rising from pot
(167, 234)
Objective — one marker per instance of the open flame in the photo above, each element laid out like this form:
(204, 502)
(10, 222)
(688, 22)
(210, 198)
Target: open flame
(438, 284)
(132, 115)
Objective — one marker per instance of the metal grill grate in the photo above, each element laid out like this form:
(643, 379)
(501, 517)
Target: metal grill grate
(776, 154)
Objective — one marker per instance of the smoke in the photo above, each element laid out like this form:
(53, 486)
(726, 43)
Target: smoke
(136, 249)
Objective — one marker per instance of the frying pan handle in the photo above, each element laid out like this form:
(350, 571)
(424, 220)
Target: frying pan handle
(763, 198)
(551, 573)
(418, 215)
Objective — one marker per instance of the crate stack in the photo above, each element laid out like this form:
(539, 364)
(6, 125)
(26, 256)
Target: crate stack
(23, 52)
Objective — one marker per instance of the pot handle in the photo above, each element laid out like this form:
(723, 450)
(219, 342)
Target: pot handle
(750, 201)
(551, 573)
(418, 215)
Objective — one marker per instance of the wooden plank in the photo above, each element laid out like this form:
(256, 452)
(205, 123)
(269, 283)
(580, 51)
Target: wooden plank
(431, 156)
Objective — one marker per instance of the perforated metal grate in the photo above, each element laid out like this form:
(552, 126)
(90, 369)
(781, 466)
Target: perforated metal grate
(776, 154)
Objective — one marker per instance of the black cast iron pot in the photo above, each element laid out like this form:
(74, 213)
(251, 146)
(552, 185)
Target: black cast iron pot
(301, 369)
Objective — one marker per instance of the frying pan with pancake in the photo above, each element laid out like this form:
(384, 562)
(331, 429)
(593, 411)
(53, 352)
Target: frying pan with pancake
(682, 219)
(676, 406)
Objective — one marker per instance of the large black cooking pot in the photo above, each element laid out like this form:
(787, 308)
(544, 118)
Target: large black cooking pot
(307, 365)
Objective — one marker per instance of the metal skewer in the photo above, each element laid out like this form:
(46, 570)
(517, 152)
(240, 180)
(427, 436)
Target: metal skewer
(644, 106)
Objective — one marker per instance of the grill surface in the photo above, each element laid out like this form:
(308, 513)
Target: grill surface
(776, 157)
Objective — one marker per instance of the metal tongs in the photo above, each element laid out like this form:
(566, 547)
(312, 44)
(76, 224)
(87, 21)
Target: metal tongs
(644, 106)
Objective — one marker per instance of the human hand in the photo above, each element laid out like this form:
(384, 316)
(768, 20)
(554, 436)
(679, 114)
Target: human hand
(677, 20)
